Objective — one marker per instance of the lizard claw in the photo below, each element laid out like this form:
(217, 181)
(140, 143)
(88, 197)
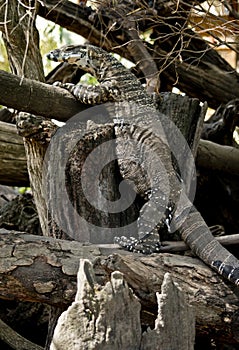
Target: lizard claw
(144, 245)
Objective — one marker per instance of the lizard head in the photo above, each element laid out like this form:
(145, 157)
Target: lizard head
(86, 57)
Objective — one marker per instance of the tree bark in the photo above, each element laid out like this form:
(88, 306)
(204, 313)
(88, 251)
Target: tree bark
(22, 43)
(21, 38)
(109, 316)
(186, 113)
(43, 269)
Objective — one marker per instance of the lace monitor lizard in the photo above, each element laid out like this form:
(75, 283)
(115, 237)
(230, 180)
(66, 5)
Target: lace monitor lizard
(135, 134)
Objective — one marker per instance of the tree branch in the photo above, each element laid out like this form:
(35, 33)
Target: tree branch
(180, 246)
(217, 157)
(13, 163)
(38, 98)
(75, 18)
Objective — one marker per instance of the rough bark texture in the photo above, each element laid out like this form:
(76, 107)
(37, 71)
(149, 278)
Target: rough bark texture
(74, 144)
(216, 304)
(188, 275)
(187, 114)
(22, 43)
(21, 38)
(13, 168)
(28, 127)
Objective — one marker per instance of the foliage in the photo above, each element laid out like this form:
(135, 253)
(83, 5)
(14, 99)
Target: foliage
(4, 65)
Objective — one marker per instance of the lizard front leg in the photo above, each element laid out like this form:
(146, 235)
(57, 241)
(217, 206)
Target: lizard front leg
(92, 94)
(149, 224)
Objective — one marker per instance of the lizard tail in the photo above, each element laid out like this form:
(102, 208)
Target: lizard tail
(197, 235)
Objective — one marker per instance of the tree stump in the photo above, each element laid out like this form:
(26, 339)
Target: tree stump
(109, 317)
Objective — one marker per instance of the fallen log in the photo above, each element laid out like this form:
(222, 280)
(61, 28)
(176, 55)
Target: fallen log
(43, 269)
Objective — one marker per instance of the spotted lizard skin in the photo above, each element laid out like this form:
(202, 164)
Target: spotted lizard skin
(136, 142)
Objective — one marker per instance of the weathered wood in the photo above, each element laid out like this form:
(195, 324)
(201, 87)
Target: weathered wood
(180, 246)
(209, 155)
(104, 318)
(187, 114)
(175, 323)
(13, 166)
(21, 39)
(43, 269)
(36, 144)
(208, 77)
(109, 317)
(220, 127)
(26, 61)
(74, 18)
(145, 274)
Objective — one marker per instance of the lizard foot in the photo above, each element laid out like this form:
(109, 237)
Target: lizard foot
(147, 245)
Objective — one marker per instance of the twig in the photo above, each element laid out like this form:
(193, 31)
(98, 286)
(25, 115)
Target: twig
(15, 340)
(168, 246)
(145, 61)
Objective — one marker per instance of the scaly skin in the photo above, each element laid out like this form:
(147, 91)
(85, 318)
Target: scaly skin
(138, 144)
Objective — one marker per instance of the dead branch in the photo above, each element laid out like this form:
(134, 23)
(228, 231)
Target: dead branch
(144, 60)
(116, 312)
(171, 246)
(75, 18)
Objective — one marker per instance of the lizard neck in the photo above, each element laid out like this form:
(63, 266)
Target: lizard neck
(106, 68)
